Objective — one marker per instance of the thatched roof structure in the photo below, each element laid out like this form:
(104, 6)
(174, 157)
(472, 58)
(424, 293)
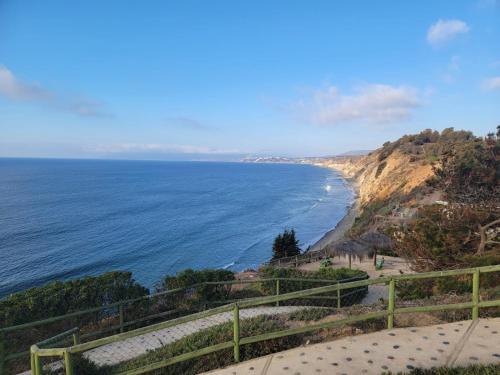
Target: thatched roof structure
(365, 245)
(376, 240)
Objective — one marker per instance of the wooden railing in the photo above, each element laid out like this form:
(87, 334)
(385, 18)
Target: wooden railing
(475, 305)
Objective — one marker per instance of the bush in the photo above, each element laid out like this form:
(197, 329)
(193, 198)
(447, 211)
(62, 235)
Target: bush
(327, 262)
(470, 370)
(200, 293)
(333, 274)
(444, 237)
(62, 297)
(425, 288)
(311, 314)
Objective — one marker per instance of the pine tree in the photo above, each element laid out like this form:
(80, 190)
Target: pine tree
(286, 245)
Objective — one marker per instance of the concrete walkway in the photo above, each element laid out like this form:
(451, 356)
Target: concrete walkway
(125, 350)
(396, 350)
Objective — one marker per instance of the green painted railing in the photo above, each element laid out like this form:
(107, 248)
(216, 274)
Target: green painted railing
(475, 305)
(123, 323)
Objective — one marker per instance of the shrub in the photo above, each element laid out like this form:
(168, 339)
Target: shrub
(62, 297)
(200, 293)
(443, 237)
(470, 370)
(425, 288)
(333, 274)
(380, 168)
(327, 262)
(311, 314)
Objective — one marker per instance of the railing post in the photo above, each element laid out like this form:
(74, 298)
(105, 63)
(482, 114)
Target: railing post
(339, 303)
(236, 332)
(277, 290)
(32, 363)
(38, 365)
(120, 309)
(392, 292)
(475, 294)
(2, 353)
(76, 338)
(67, 363)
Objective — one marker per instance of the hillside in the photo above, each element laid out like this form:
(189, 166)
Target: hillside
(442, 188)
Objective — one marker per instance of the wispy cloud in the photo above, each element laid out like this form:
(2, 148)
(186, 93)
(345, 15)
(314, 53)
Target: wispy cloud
(492, 83)
(445, 30)
(12, 88)
(187, 123)
(145, 148)
(372, 103)
(15, 89)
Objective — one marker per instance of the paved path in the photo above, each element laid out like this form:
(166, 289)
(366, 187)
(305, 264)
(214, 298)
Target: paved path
(403, 349)
(125, 350)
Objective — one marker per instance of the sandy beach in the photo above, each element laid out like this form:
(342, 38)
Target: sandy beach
(338, 233)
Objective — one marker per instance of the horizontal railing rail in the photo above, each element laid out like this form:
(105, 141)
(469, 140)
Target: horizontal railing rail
(475, 304)
(306, 257)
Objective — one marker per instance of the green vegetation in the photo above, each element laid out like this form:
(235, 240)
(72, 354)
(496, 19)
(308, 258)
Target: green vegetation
(62, 297)
(324, 263)
(470, 370)
(285, 245)
(311, 314)
(200, 293)
(443, 237)
(348, 297)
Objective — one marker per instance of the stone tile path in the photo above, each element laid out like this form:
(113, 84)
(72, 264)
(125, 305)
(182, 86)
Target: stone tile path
(403, 349)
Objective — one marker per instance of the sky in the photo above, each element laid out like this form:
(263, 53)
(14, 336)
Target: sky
(216, 80)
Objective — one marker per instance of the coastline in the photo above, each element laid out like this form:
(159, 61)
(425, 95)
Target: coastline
(338, 233)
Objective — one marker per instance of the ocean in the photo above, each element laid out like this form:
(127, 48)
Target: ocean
(62, 219)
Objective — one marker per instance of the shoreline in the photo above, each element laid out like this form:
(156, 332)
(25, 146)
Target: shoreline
(338, 232)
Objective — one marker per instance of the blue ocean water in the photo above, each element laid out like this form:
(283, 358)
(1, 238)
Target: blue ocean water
(61, 219)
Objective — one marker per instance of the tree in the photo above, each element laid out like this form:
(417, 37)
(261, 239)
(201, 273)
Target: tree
(286, 245)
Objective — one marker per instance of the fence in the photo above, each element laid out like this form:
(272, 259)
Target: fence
(297, 260)
(389, 312)
(116, 312)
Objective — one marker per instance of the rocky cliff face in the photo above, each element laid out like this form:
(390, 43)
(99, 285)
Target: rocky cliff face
(379, 179)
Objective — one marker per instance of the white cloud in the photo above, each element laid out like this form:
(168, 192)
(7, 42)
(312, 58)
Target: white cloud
(444, 30)
(14, 89)
(373, 103)
(146, 148)
(492, 83)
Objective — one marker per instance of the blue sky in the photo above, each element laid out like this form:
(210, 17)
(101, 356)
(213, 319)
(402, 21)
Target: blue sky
(215, 79)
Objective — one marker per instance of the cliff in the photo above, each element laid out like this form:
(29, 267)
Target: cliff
(436, 194)
(390, 187)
